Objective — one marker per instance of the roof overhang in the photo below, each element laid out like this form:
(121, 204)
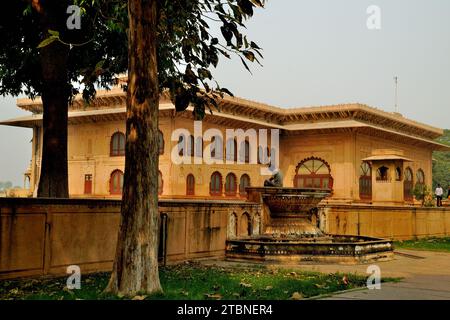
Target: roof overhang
(386, 157)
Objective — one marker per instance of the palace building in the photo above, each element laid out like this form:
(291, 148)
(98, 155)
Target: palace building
(365, 155)
(369, 159)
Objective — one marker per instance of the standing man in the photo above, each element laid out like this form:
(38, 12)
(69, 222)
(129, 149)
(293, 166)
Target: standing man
(439, 192)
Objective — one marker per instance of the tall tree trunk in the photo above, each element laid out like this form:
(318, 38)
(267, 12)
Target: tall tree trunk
(136, 263)
(53, 181)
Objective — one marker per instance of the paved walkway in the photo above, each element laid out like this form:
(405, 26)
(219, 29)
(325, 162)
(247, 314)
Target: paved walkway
(424, 278)
(426, 275)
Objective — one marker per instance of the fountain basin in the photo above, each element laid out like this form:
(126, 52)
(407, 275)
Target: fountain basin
(326, 249)
(291, 235)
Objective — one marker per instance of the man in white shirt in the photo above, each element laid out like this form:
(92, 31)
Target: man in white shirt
(439, 192)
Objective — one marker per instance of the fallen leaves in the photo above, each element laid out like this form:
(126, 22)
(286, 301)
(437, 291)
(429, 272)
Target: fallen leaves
(245, 285)
(215, 296)
(296, 296)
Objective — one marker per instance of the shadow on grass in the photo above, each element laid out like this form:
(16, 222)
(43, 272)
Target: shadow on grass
(193, 281)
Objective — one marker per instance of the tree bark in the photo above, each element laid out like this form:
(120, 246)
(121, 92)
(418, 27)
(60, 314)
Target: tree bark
(136, 264)
(53, 181)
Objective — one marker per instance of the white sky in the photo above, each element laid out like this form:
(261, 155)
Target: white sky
(320, 52)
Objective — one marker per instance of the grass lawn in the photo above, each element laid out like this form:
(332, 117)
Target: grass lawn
(430, 244)
(195, 281)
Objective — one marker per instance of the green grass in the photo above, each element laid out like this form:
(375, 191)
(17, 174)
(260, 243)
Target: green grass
(195, 281)
(430, 244)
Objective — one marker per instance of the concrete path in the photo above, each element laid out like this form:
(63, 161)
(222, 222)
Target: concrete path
(425, 276)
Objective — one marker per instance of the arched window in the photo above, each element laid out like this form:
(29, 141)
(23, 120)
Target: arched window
(398, 174)
(215, 186)
(420, 177)
(263, 155)
(160, 142)
(216, 148)
(160, 183)
(243, 183)
(244, 152)
(190, 185)
(365, 181)
(199, 150)
(383, 174)
(181, 145)
(231, 149)
(117, 147)
(408, 185)
(230, 185)
(313, 173)
(191, 145)
(116, 182)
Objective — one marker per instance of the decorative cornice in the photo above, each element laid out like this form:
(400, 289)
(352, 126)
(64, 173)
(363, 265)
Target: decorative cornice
(264, 114)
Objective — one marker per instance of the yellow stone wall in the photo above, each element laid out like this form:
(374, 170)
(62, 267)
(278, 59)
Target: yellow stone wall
(89, 153)
(393, 222)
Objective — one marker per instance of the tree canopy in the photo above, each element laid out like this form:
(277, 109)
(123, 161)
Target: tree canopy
(97, 52)
(441, 163)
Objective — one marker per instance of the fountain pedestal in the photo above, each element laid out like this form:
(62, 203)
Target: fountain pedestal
(291, 235)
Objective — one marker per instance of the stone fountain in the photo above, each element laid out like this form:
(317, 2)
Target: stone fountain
(290, 233)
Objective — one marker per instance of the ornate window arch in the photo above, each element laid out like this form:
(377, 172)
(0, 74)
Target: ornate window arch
(191, 146)
(182, 150)
(383, 174)
(231, 150)
(263, 155)
(408, 184)
(420, 176)
(230, 184)
(199, 151)
(117, 144)
(116, 182)
(398, 174)
(244, 151)
(365, 181)
(243, 183)
(216, 148)
(313, 173)
(190, 185)
(215, 185)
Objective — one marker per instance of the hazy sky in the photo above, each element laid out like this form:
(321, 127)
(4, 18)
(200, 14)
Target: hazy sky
(320, 52)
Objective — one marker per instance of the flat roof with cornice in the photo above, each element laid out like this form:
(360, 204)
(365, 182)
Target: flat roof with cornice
(109, 105)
